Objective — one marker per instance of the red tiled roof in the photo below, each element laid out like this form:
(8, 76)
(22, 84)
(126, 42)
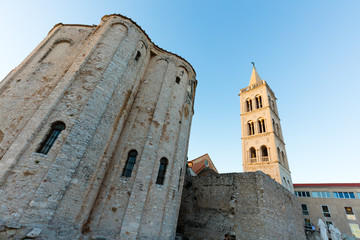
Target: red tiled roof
(326, 184)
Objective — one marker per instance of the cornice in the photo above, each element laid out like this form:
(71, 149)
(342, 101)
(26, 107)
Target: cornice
(262, 135)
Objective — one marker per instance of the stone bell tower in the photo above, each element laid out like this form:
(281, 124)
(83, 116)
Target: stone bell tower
(263, 144)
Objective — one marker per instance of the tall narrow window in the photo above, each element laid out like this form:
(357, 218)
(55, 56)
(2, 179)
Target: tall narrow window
(162, 170)
(251, 128)
(326, 211)
(277, 129)
(248, 105)
(130, 162)
(279, 155)
(138, 55)
(261, 123)
(283, 157)
(305, 209)
(252, 155)
(273, 124)
(55, 131)
(264, 154)
(258, 102)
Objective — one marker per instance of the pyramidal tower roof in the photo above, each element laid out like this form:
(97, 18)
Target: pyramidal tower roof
(255, 78)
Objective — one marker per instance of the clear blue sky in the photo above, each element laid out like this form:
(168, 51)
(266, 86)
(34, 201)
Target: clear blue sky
(308, 52)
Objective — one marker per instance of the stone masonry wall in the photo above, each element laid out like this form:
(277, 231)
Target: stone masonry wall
(115, 91)
(239, 205)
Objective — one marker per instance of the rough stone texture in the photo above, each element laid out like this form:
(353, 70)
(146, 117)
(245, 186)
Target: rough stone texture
(115, 91)
(242, 205)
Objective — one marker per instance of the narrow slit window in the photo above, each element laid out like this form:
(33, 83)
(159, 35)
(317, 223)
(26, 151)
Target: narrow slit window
(251, 128)
(258, 102)
(130, 162)
(177, 80)
(138, 55)
(162, 171)
(248, 105)
(50, 139)
(261, 123)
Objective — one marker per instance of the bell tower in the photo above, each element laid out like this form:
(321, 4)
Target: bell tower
(263, 145)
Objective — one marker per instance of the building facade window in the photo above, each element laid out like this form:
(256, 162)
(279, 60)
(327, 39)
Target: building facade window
(130, 162)
(252, 155)
(344, 195)
(50, 139)
(258, 102)
(248, 105)
(264, 154)
(355, 229)
(321, 194)
(302, 193)
(162, 170)
(358, 195)
(349, 213)
(261, 123)
(305, 209)
(326, 211)
(251, 128)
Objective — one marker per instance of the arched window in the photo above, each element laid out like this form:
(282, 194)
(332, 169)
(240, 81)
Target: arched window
(130, 162)
(277, 129)
(279, 155)
(138, 55)
(261, 123)
(162, 170)
(264, 154)
(273, 124)
(55, 131)
(251, 128)
(252, 155)
(283, 157)
(248, 105)
(258, 102)
(284, 181)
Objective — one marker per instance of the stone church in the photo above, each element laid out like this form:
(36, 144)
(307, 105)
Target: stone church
(94, 132)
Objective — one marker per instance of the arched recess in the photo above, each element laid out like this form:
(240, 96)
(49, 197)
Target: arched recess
(57, 51)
